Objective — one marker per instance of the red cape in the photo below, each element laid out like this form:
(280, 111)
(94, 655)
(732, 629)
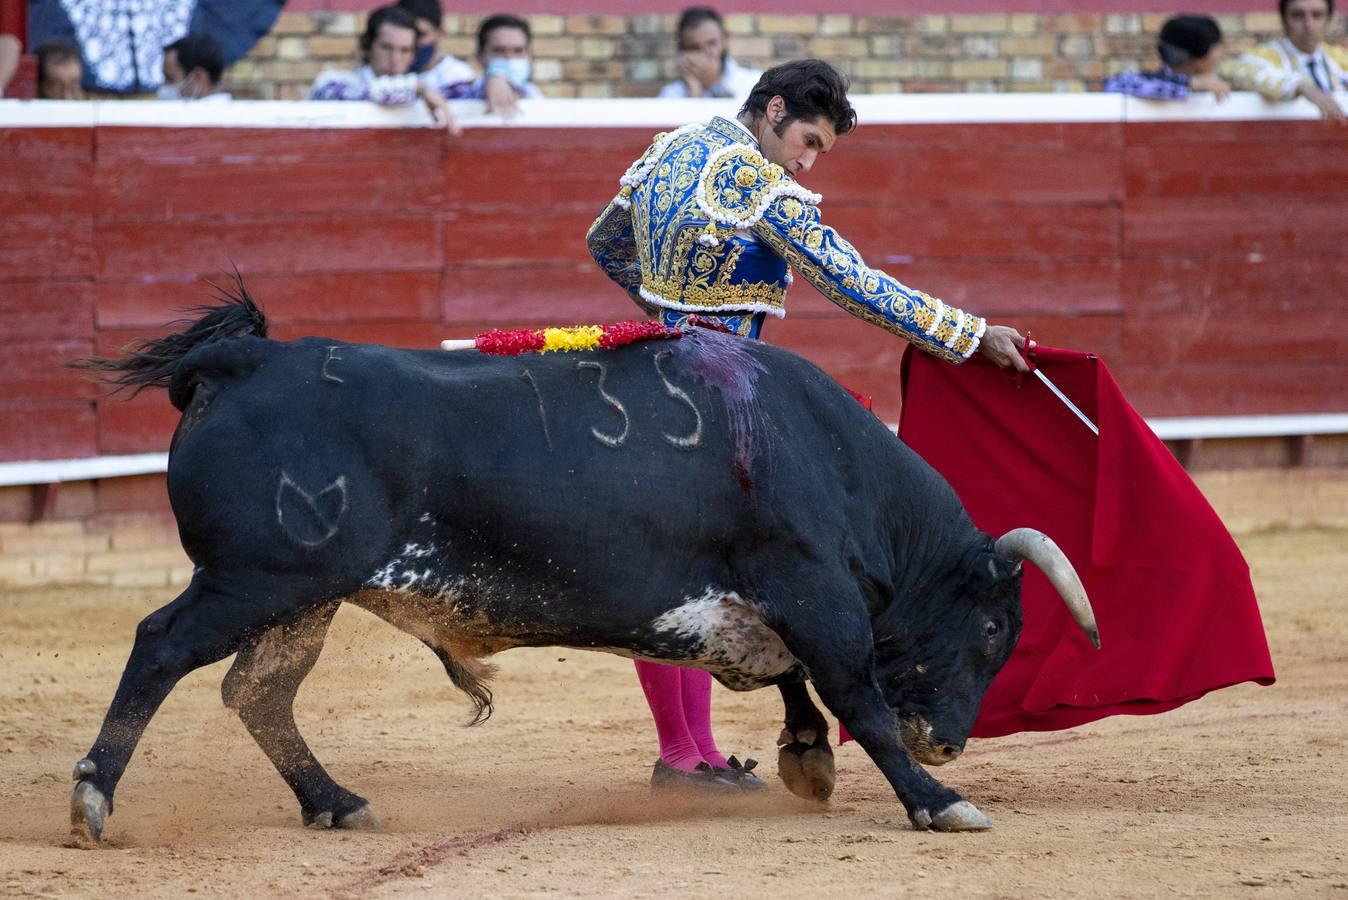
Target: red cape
(1170, 589)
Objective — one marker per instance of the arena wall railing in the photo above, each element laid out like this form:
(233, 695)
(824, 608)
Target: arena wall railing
(1196, 247)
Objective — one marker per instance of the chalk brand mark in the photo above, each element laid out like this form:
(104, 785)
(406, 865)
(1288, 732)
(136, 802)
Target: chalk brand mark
(310, 519)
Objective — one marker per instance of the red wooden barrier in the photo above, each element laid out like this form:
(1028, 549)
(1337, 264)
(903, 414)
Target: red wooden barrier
(1205, 260)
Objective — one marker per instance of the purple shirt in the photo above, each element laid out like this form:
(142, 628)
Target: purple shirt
(1164, 84)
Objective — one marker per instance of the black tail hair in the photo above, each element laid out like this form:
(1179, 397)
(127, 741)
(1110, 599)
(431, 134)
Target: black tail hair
(150, 363)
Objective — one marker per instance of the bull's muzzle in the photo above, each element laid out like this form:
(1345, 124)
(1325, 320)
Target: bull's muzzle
(915, 732)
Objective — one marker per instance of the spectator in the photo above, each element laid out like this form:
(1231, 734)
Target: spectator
(705, 66)
(192, 69)
(1190, 48)
(1299, 64)
(442, 73)
(59, 70)
(10, 51)
(387, 48)
(505, 53)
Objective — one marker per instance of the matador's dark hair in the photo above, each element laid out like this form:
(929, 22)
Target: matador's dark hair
(811, 89)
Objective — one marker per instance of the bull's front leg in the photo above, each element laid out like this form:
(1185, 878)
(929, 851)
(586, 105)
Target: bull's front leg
(804, 757)
(837, 651)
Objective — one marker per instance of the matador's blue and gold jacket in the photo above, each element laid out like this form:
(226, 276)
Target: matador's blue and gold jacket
(704, 224)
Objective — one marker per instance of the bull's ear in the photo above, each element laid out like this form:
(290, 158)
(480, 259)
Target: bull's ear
(993, 568)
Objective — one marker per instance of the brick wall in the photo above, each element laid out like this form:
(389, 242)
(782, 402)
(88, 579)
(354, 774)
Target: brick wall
(631, 56)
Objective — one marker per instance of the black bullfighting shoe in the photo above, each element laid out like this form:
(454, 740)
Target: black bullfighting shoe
(743, 774)
(704, 778)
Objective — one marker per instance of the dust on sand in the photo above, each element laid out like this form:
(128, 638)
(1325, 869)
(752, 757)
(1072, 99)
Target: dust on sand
(1240, 794)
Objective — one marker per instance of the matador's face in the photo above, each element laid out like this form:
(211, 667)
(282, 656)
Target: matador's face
(797, 146)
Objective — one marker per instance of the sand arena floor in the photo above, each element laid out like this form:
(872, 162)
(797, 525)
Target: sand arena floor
(1241, 794)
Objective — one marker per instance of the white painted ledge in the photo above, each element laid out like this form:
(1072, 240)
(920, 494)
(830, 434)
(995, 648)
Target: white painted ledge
(872, 109)
(1223, 427)
(50, 471)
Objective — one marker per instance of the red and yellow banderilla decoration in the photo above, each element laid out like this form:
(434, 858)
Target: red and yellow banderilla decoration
(583, 337)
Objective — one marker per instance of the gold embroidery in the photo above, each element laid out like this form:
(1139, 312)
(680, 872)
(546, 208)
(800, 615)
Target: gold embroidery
(673, 266)
(962, 345)
(743, 295)
(924, 316)
(706, 282)
(736, 185)
(682, 258)
(834, 269)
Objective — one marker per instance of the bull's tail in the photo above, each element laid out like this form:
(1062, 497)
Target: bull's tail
(152, 362)
(470, 676)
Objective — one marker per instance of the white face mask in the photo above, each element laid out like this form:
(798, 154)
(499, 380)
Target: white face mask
(515, 69)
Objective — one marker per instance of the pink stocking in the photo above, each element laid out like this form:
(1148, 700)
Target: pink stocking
(662, 686)
(697, 713)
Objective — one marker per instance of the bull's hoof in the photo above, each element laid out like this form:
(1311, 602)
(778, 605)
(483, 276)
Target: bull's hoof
(88, 811)
(805, 764)
(961, 816)
(359, 819)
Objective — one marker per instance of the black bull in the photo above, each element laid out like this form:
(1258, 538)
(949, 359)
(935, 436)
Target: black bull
(706, 501)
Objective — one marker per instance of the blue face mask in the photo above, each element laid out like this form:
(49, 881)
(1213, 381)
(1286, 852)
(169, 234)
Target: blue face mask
(423, 57)
(516, 69)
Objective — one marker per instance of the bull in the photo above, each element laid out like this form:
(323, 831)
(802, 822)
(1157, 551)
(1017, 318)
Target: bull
(707, 501)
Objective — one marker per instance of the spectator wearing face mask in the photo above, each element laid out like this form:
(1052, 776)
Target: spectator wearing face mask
(440, 72)
(59, 71)
(192, 69)
(504, 51)
(1190, 48)
(387, 48)
(705, 66)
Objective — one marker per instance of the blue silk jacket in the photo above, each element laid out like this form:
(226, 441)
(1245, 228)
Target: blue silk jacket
(704, 224)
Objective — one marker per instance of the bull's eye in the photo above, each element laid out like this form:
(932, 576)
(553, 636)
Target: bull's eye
(991, 629)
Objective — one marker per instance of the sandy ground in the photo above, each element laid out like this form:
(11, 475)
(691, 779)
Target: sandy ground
(1238, 795)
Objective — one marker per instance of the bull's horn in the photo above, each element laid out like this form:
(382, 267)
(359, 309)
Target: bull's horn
(1038, 548)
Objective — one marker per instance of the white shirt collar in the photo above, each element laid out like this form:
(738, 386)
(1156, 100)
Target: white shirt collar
(1296, 53)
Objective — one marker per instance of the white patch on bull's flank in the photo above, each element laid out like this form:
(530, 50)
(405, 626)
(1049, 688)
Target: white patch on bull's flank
(730, 638)
(413, 570)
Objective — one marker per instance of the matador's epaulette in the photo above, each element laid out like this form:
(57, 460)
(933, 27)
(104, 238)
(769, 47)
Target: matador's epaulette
(737, 186)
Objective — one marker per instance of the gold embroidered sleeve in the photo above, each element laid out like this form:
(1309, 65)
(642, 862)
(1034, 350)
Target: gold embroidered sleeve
(1260, 70)
(614, 248)
(793, 229)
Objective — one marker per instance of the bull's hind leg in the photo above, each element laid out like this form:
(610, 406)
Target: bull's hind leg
(206, 623)
(261, 688)
(804, 757)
